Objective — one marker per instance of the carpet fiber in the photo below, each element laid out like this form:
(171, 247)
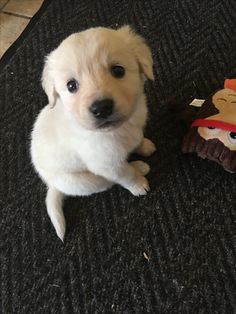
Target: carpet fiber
(172, 251)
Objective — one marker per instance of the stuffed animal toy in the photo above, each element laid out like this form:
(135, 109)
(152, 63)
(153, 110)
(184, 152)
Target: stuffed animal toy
(212, 134)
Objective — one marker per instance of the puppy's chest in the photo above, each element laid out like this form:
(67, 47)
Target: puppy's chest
(110, 147)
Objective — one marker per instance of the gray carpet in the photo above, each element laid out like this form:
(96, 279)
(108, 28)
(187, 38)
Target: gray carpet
(172, 251)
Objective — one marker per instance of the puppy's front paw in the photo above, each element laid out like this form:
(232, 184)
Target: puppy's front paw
(147, 148)
(141, 167)
(140, 187)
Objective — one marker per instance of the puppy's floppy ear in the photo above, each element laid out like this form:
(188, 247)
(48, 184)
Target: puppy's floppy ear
(48, 83)
(141, 50)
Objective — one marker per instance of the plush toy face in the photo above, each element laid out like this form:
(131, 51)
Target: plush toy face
(213, 132)
(225, 102)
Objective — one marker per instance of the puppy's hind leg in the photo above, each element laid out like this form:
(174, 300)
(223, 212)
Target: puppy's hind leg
(80, 183)
(147, 148)
(141, 167)
(54, 202)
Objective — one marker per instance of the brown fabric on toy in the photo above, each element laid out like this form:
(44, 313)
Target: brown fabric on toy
(213, 132)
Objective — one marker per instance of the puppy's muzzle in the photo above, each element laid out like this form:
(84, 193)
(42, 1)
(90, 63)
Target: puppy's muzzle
(102, 109)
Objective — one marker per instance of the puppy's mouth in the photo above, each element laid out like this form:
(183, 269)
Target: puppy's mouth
(109, 123)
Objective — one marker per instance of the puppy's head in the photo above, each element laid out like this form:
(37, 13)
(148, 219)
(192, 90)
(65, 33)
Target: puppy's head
(98, 75)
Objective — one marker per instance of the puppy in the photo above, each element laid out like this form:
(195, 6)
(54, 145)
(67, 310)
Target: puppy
(95, 117)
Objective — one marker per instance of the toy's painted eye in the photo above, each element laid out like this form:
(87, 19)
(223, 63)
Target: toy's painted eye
(72, 86)
(117, 71)
(232, 137)
(211, 131)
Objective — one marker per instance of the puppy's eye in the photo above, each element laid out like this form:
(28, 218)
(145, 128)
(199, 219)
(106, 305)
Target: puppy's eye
(72, 86)
(117, 71)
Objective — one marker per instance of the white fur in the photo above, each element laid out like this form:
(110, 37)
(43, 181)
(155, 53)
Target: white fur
(73, 157)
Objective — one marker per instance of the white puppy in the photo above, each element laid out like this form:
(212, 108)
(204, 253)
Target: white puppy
(95, 117)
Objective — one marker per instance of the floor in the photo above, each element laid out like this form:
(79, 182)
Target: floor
(14, 16)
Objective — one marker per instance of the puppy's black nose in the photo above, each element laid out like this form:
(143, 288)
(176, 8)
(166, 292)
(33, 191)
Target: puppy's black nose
(102, 109)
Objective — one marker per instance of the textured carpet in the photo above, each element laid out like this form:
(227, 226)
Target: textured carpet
(172, 251)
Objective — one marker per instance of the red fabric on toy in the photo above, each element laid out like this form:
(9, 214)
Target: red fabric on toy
(214, 124)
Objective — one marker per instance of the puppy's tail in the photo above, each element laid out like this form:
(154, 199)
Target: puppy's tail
(54, 202)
